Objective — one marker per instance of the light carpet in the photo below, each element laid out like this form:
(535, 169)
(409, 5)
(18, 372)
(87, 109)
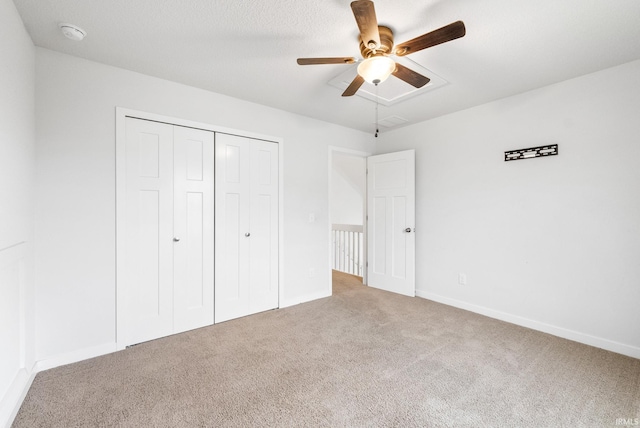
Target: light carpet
(362, 357)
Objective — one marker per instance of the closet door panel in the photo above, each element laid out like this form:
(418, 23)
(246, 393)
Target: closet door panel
(148, 230)
(264, 226)
(233, 234)
(149, 255)
(193, 283)
(193, 240)
(246, 226)
(229, 273)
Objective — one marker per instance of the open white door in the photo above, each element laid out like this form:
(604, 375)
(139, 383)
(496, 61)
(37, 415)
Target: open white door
(391, 222)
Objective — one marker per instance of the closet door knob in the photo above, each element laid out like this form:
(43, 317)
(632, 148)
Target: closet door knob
(408, 230)
(176, 239)
(247, 234)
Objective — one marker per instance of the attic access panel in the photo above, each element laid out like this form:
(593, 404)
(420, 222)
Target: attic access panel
(392, 90)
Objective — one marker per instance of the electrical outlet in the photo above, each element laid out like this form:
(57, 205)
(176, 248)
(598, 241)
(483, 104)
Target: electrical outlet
(462, 278)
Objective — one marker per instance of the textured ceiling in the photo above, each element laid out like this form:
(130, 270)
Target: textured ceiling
(248, 49)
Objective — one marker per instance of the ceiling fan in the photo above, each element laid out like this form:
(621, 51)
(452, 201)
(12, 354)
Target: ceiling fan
(376, 47)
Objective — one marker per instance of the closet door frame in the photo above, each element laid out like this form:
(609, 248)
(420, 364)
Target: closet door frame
(121, 328)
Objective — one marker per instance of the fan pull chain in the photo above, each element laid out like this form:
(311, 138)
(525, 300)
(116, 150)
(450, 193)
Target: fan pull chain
(376, 134)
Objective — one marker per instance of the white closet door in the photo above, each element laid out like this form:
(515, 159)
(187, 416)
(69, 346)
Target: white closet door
(246, 226)
(169, 210)
(193, 228)
(148, 230)
(232, 223)
(263, 225)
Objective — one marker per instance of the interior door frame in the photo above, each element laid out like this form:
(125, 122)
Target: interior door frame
(120, 166)
(364, 155)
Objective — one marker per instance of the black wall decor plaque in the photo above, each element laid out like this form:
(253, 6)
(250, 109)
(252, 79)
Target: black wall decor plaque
(530, 153)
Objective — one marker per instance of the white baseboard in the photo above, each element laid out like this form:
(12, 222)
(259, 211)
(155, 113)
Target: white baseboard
(75, 356)
(13, 398)
(598, 342)
(304, 299)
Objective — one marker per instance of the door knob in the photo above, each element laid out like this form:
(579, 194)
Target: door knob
(176, 239)
(247, 234)
(408, 230)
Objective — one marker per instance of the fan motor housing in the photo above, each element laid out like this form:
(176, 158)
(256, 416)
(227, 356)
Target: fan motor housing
(386, 44)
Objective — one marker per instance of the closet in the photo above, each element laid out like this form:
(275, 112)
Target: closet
(197, 228)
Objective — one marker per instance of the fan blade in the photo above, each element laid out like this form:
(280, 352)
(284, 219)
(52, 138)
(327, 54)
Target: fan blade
(441, 35)
(354, 86)
(365, 15)
(410, 76)
(313, 61)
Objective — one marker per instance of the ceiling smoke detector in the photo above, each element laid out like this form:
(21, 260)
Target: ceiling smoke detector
(72, 32)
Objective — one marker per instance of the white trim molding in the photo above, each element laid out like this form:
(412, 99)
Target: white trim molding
(304, 299)
(14, 396)
(12, 400)
(17, 364)
(75, 356)
(564, 333)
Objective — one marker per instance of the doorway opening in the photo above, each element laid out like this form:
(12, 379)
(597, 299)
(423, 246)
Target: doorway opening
(347, 211)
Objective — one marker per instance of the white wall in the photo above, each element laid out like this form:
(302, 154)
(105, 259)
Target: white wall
(17, 119)
(348, 186)
(552, 243)
(75, 190)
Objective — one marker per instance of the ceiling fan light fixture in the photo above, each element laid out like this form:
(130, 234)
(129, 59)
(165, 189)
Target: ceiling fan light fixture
(376, 44)
(376, 69)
